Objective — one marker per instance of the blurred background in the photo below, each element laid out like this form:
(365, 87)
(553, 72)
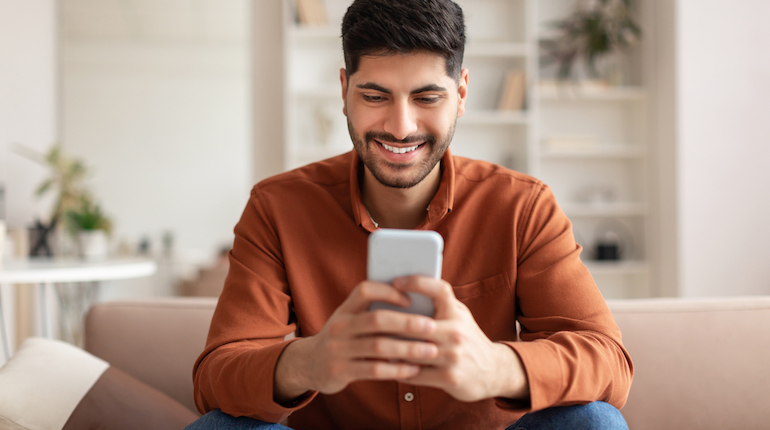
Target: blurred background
(657, 150)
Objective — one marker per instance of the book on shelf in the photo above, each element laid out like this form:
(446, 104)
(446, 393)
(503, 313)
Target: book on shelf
(514, 88)
(311, 12)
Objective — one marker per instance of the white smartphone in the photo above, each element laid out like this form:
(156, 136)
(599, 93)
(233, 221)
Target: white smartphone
(394, 253)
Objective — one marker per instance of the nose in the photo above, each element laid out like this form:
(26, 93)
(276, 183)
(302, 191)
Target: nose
(401, 120)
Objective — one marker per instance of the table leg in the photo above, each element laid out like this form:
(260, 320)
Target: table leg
(6, 348)
(45, 330)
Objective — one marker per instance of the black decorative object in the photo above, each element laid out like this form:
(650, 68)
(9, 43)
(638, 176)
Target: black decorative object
(607, 251)
(40, 238)
(613, 241)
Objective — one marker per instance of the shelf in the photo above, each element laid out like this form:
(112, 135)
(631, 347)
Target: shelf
(589, 93)
(594, 152)
(604, 209)
(491, 117)
(496, 49)
(622, 267)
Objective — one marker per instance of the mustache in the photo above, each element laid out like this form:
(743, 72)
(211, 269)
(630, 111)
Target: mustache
(387, 137)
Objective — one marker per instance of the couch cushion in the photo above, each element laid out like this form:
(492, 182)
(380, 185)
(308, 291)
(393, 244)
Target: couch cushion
(43, 382)
(118, 401)
(699, 363)
(52, 385)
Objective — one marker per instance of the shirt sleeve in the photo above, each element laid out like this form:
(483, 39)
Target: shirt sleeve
(571, 348)
(235, 372)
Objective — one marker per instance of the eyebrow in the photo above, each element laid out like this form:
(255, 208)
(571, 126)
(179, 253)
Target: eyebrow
(380, 88)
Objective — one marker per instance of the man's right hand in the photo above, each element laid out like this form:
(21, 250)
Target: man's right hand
(356, 344)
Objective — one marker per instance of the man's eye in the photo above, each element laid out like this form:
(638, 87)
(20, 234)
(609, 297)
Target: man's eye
(428, 100)
(373, 98)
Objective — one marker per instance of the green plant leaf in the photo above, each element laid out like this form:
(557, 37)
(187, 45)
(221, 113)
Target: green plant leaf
(44, 187)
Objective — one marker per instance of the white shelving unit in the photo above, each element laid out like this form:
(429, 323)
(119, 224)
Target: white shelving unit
(588, 142)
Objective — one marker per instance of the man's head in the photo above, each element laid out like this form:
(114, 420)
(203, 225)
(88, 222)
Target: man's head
(403, 85)
(382, 27)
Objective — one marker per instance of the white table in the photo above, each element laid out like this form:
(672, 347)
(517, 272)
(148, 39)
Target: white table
(44, 272)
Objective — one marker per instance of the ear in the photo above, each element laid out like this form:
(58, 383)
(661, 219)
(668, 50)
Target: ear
(462, 92)
(344, 83)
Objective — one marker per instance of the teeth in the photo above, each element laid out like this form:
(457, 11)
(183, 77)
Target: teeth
(395, 150)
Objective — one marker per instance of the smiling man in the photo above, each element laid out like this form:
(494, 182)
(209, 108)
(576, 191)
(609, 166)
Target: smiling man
(298, 265)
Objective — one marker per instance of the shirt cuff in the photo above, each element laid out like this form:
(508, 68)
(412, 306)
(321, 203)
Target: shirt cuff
(544, 383)
(277, 410)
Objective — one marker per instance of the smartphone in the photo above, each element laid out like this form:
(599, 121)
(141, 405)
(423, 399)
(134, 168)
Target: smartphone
(393, 253)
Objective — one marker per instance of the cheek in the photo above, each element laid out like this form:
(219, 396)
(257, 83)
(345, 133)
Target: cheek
(439, 122)
(363, 119)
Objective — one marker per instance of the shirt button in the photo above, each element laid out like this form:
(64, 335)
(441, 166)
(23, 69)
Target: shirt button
(408, 397)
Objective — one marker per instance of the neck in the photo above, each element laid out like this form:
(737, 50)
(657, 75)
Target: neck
(399, 207)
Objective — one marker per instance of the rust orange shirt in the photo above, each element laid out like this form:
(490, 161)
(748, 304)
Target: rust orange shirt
(300, 249)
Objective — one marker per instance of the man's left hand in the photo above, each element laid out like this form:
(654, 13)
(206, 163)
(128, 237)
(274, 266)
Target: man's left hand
(469, 366)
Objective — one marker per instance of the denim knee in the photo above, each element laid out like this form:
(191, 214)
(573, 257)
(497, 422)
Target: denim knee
(217, 419)
(595, 415)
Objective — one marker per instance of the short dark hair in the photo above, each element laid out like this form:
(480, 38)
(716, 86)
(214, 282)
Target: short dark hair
(381, 27)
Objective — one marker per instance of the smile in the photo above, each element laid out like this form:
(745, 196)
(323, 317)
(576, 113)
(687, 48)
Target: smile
(397, 150)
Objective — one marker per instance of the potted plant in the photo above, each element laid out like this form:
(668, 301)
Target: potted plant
(91, 227)
(74, 209)
(594, 29)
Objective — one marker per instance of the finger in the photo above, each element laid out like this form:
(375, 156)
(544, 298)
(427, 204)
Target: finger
(429, 376)
(437, 290)
(381, 370)
(367, 292)
(393, 323)
(390, 349)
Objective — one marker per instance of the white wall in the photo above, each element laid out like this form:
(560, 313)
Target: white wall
(166, 130)
(28, 93)
(723, 92)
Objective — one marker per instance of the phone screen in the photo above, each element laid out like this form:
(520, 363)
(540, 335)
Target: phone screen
(394, 253)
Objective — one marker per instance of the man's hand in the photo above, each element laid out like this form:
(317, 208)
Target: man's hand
(356, 344)
(468, 365)
(449, 352)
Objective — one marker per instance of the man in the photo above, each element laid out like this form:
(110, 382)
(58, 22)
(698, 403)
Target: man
(299, 258)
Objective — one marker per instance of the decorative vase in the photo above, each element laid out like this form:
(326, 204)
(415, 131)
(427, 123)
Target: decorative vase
(93, 244)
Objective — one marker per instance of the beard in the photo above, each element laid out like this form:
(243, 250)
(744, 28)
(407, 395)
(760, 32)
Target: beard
(405, 175)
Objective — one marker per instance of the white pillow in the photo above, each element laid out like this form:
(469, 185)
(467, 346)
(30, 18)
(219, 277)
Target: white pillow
(44, 382)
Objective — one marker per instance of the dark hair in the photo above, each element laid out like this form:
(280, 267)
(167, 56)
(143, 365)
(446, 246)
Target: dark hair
(381, 27)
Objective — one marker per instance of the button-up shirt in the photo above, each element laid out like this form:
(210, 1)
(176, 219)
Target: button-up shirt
(509, 253)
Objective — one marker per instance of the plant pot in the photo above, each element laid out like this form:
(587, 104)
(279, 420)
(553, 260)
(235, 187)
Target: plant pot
(93, 244)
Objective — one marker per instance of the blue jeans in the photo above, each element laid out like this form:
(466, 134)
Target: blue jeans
(596, 415)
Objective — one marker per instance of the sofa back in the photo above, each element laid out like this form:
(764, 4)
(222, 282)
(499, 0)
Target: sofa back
(156, 341)
(699, 363)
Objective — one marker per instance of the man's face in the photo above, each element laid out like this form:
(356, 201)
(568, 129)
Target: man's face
(401, 112)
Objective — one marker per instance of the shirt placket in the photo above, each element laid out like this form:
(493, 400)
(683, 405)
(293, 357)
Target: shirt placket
(409, 407)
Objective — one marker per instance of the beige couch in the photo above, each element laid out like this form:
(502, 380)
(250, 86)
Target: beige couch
(700, 363)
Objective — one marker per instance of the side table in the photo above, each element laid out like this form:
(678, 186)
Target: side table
(46, 271)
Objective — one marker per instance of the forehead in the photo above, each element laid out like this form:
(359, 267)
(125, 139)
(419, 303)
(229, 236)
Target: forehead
(402, 70)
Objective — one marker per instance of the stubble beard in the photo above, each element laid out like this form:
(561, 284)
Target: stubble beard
(379, 168)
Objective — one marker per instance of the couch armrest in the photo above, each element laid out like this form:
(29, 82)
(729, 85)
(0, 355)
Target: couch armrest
(700, 363)
(156, 341)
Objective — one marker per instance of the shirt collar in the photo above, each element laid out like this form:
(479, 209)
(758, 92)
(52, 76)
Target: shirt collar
(440, 205)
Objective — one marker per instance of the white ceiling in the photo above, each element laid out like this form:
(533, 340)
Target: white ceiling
(164, 21)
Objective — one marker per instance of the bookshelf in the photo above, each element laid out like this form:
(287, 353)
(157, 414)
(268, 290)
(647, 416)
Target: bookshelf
(588, 141)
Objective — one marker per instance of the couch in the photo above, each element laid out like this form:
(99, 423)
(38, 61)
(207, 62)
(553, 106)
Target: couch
(700, 363)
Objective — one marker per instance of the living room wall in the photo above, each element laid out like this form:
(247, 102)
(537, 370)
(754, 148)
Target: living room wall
(723, 147)
(159, 105)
